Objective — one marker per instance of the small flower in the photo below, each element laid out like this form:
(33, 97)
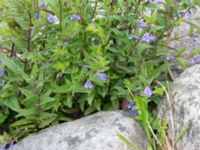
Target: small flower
(169, 57)
(175, 2)
(134, 112)
(103, 76)
(132, 37)
(11, 144)
(195, 59)
(37, 15)
(2, 72)
(142, 24)
(147, 91)
(3, 147)
(188, 13)
(181, 13)
(88, 84)
(42, 5)
(130, 105)
(147, 38)
(75, 17)
(52, 18)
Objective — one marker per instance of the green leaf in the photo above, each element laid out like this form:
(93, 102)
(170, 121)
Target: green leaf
(90, 98)
(11, 103)
(45, 98)
(15, 67)
(89, 110)
(61, 89)
(97, 105)
(128, 142)
(22, 122)
(69, 101)
(154, 15)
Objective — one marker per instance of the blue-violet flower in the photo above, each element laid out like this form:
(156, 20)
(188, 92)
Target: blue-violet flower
(130, 105)
(169, 57)
(88, 84)
(147, 91)
(134, 112)
(52, 18)
(147, 38)
(2, 72)
(3, 147)
(142, 24)
(37, 15)
(132, 37)
(103, 76)
(75, 17)
(42, 5)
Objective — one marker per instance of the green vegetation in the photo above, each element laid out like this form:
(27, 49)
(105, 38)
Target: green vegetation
(63, 59)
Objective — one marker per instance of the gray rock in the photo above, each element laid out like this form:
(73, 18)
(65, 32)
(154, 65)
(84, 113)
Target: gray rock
(95, 132)
(185, 101)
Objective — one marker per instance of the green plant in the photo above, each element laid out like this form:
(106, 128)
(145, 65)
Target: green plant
(67, 57)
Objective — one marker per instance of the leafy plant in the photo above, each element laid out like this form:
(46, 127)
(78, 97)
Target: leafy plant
(63, 59)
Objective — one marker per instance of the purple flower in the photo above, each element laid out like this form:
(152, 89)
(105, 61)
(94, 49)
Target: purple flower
(134, 112)
(42, 5)
(175, 2)
(181, 13)
(3, 147)
(130, 105)
(132, 37)
(52, 18)
(75, 17)
(195, 59)
(147, 38)
(147, 91)
(11, 144)
(37, 15)
(103, 76)
(169, 57)
(142, 24)
(2, 72)
(188, 13)
(88, 84)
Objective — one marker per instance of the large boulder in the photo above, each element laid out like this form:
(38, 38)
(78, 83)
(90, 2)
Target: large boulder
(95, 132)
(185, 109)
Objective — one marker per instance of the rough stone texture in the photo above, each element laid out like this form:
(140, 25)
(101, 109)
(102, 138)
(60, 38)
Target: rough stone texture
(185, 99)
(95, 132)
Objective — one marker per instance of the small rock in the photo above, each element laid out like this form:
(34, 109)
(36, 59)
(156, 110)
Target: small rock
(95, 132)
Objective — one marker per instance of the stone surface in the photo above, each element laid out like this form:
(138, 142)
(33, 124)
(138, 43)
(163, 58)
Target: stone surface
(95, 132)
(185, 100)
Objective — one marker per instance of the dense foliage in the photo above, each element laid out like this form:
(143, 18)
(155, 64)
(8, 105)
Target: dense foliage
(61, 59)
